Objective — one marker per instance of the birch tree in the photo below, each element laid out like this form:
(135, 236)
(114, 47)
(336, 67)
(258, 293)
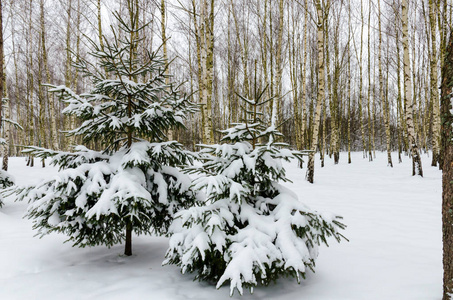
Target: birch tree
(416, 160)
(349, 80)
(3, 109)
(434, 84)
(207, 66)
(383, 99)
(30, 83)
(304, 78)
(369, 106)
(321, 17)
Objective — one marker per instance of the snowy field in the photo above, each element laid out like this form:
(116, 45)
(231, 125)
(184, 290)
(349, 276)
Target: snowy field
(394, 228)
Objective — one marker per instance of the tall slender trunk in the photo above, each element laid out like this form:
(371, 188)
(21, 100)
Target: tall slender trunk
(447, 172)
(68, 78)
(328, 95)
(279, 60)
(327, 98)
(293, 48)
(373, 112)
(243, 46)
(388, 107)
(336, 98)
(434, 85)
(381, 93)
(50, 99)
(41, 93)
(349, 81)
(16, 78)
(207, 65)
(320, 98)
(210, 68)
(401, 104)
(311, 106)
(304, 80)
(164, 50)
(198, 41)
(101, 39)
(415, 81)
(264, 46)
(361, 117)
(442, 27)
(77, 59)
(416, 160)
(3, 109)
(231, 117)
(30, 85)
(41, 111)
(369, 146)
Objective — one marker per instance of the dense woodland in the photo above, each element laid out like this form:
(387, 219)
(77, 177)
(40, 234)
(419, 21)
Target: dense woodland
(337, 75)
(344, 75)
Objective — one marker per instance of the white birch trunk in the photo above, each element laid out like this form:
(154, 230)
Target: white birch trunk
(416, 160)
(320, 98)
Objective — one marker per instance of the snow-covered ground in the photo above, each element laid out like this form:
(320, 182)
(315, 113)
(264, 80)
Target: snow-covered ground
(394, 228)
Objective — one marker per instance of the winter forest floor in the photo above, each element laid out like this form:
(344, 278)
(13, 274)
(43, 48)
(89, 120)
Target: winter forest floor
(394, 228)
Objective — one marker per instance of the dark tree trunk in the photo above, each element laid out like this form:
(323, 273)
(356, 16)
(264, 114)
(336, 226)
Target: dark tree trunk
(128, 247)
(336, 156)
(311, 168)
(447, 171)
(435, 160)
(30, 159)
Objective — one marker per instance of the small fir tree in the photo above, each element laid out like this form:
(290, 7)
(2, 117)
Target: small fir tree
(134, 184)
(251, 230)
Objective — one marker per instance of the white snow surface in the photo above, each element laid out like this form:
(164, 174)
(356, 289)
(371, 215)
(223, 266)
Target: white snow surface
(394, 228)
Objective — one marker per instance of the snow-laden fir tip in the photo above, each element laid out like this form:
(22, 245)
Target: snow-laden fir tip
(6, 181)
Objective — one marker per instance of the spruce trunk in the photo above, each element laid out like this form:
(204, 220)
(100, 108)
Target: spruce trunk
(128, 246)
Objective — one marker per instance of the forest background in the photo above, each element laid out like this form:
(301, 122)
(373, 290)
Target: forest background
(344, 75)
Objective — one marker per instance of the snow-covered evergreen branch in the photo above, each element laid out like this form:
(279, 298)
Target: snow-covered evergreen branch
(251, 230)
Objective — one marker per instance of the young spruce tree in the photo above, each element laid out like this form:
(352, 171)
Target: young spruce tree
(134, 184)
(251, 229)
